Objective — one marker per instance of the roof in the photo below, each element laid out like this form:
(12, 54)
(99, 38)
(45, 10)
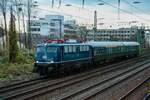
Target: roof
(131, 43)
(111, 44)
(63, 44)
(95, 44)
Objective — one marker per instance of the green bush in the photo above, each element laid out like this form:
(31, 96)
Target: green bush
(24, 56)
(8, 70)
(23, 64)
(3, 59)
(3, 56)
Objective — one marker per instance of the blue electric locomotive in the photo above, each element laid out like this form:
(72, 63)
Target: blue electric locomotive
(55, 58)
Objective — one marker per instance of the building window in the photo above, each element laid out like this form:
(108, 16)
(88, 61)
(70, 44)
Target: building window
(52, 30)
(52, 24)
(35, 24)
(35, 29)
(44, 23)
(38, 29)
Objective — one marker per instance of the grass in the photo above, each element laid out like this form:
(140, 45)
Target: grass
(11, 70)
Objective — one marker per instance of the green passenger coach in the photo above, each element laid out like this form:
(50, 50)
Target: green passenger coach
(109, 50)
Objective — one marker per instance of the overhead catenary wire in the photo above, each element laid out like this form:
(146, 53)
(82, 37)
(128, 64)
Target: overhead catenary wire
(124, 10)
(62, 13)
(136, 8)
(107, 3)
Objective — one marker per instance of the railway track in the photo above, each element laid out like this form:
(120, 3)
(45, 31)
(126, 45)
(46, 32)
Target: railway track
(36, 91)
(36, 80)
(10, 90)
(134, 89)
(19, 84)
(93, 90)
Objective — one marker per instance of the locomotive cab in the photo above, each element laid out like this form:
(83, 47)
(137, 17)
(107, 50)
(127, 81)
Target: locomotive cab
(46, 54)
(46, 57)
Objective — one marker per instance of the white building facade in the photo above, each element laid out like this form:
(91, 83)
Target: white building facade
(51, 26)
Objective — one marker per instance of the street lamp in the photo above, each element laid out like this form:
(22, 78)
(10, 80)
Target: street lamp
(68, 5)
(136, 2)
(100, 4)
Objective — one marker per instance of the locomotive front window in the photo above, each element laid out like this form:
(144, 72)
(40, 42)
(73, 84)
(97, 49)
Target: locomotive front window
(51, 49)
(40, 49)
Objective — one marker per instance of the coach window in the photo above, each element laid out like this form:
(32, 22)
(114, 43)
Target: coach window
(81, 48)
(84, 48)
(70, 48)
(74, 48)
(66, 49)
(87, 48)
(95, 51)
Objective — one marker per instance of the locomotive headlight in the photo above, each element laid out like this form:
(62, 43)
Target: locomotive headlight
(51, 61)
(37, 61)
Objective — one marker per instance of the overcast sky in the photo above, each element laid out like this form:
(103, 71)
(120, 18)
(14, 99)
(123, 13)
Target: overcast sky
(107, 13)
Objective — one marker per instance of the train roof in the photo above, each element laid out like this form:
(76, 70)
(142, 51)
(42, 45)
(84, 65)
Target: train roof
(131, 43)
(95, 44)
(62, 44)
(112, 44)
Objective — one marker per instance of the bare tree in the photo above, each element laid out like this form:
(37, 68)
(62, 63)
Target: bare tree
(13, 48)
(3, 7)
(17, 5)
(24, 30)
(30, 5)
(83, 33)
(29, 23)
(3, 38)
(23, 22)
(25, 9)
(21, 10)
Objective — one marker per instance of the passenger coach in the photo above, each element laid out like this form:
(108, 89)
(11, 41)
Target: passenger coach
(104, 51)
